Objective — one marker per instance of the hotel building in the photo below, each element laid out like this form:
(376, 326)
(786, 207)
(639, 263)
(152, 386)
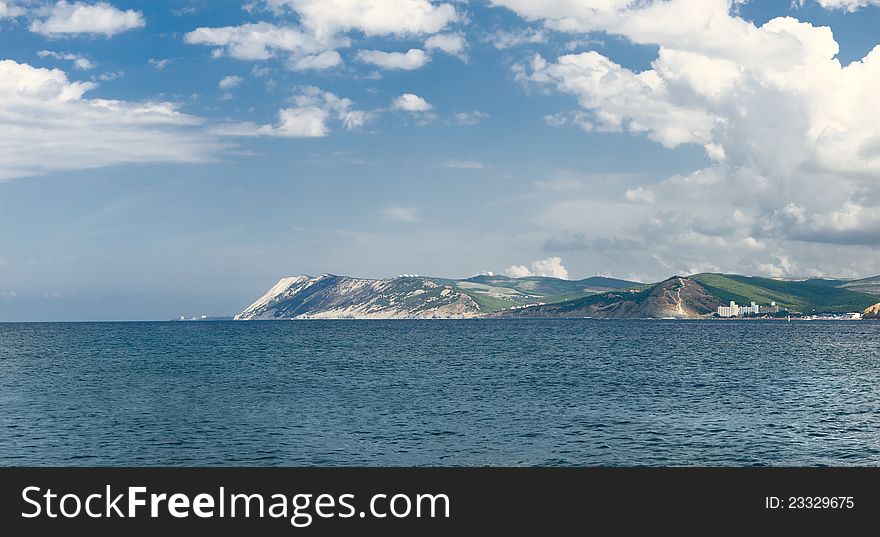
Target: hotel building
(734, 310)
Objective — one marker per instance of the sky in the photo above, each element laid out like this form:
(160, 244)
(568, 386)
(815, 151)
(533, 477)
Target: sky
(162, 158)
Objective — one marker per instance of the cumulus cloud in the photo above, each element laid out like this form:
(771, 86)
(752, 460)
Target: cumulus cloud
(79, 62)
(410, 102)
(551, 268)
(452, 44)
(505, 39)
(260, 41)
(230, 82)
(322, 27)
(65, 18)
(518, 271)
(395, 17)
(9, 10)
(302, 122)
(792, 135)
(160, 64)
(623, 100)
(48, 124)
(640, 195)
(848, 5)
(412, 59)
(415, 107)
(317, 62)
(310, 117)
(470, 118)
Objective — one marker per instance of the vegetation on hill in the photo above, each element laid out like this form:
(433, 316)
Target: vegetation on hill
(675, 298)
(870, 286)
(699, 296)
(807, 296)
(497, 293)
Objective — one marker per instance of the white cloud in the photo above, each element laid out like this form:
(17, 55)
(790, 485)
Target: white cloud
(410, 102)
(372, 17)
(640, 195)
(322, 27)
(310, 117)
(113, 75)
(65, 18)
(623, 100)
(401, 214)
(551, 267)
(260, 71)
(470, 118)
(317, 62)
(518, 271)
(160, 64)
(415, 107)
(230, 82)
(503, 39)
(9, 10)
(84, 64)
(412, 59)
(848, 5)
(47, 124)
(751, 243)
(792, 135)
(302, 122)
(79, 62)
(556, 120)
(452, 44)
(261, 41)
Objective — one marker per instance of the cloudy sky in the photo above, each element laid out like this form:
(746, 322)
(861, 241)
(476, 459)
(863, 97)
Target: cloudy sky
(162, 157)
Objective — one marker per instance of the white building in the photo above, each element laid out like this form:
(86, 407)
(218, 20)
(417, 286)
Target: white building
(733, 310)
(753, 309)
(729, 311)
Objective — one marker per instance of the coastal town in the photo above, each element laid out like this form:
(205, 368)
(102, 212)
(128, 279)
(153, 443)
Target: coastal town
(734, 310)
(772, 310)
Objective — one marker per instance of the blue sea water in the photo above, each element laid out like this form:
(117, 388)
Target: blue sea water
(402, 393)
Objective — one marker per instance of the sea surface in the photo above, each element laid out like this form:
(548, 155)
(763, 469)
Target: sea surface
(475, 392)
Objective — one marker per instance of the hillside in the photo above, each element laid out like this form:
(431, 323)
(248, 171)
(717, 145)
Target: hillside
(676, 298)
(869, 286)
(807, 296)
(340, 297)
(335, 297)
(496, 293)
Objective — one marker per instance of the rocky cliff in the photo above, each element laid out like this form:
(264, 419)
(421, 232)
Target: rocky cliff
(675, 298)
(413, 297)
(872, 313)
(342, 297)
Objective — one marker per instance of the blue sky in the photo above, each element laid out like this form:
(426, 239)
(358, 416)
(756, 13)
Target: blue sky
(602, 136)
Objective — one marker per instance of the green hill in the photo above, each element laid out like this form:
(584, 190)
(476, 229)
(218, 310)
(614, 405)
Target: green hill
(675, 298)
(541, 285)
(413, 297)
(496, 293)
(808, 296)
(870, 286)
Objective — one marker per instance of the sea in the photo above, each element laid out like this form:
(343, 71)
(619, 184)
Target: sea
(485, 392)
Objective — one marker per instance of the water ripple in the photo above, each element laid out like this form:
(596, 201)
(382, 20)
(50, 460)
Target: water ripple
(482, 392)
